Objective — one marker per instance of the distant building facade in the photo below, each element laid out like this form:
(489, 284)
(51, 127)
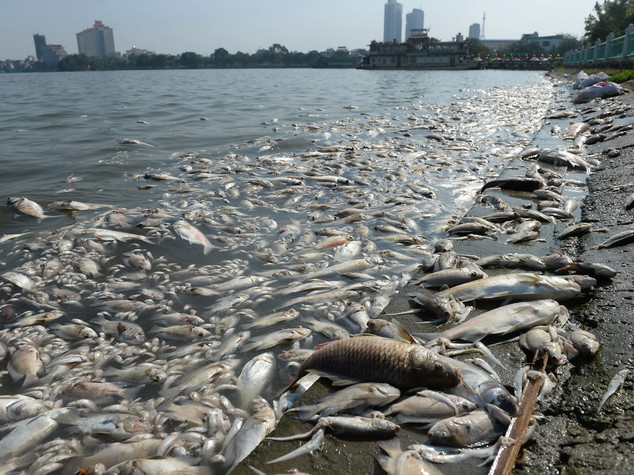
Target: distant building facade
(40, 43)
(474, 31)
(48, 54)
(497, 45)
(547, 43)
(96, 41)
(393, 22)
(414, 22)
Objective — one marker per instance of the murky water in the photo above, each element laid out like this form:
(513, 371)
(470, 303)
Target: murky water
(333, 180)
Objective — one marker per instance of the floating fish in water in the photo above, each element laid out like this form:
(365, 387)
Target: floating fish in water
(25, 207)
(76, 205)
(110, 235)
(193, 235)
(378, 359)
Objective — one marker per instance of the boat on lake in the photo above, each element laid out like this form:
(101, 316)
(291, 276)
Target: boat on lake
(420, 51)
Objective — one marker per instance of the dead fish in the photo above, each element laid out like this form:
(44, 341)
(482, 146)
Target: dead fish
(25, 364)
(564, 158)
(29, 434)
(399, 462)
(281, 337)
(594, 269)
(134, 142)
(255, 378)
(122, 330)
(38, 319)
(619, 239)
(512, 261)
(148, 466)
(76, 205)
(252, 432)
(451, 277)
(525, 286)
(25, 207)
(616, 382)
(351, 426)
(429, 406)
(514, 183)
(193, 235)
(465, 430)
(356, 397)
(575, 130)
(584, 342)
(578, 229)
(378, 359)
(502, 321)
(110, 235)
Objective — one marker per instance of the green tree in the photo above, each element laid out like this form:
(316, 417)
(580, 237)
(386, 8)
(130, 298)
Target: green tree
(476, 48)
(611, 17)
(220, 57)
(568, 43)
(190, 60)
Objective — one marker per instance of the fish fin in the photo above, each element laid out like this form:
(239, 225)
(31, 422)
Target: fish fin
(336, 379)
(310, 446)
(403, 332)
(392, 447)
(207, 249)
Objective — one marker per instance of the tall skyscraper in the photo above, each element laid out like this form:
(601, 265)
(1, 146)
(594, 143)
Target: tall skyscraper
(474, 31)
(40, 43)
(393, 21)
(414, 21)
(96, 41)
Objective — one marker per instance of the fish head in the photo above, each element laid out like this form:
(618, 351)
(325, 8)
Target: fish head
(451, 431)
(433, 371)
(498, 396)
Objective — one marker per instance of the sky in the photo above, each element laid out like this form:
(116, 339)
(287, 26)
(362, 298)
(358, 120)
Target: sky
(202, 26)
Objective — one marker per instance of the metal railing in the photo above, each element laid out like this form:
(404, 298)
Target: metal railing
(612, 50)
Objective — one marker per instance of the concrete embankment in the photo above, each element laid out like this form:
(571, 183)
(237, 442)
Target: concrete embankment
(571, 437)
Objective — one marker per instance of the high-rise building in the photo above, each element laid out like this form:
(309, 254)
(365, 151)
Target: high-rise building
(96, 41)
(414, 22)
(40, 43)
(393, 21)
(474, 31)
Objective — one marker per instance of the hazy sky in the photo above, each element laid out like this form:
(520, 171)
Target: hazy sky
(172, 27)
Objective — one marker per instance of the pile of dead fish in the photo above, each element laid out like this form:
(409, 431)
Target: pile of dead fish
(157, 338)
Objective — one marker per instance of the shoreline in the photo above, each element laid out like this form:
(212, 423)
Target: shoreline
(570, 438)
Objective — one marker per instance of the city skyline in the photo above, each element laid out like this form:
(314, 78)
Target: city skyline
(248, 25)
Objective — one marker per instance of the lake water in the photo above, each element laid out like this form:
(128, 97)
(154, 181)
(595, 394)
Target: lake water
(267, 164)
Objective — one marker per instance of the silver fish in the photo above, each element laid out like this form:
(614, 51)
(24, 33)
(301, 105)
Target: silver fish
(255, 378)
(356, 397)
(616, 382)
(525, 286)
(193, 235)
(26, 207)
(503, 320)
(468, 429)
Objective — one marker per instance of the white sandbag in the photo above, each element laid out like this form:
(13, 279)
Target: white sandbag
(601, 89)
(581, 76)
(592, 80)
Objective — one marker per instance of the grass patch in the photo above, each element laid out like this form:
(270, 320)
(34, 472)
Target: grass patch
(622, 76)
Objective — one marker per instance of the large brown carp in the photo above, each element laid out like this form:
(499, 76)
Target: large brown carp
(378, 359)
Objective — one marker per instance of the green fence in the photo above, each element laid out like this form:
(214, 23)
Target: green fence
(611, 50)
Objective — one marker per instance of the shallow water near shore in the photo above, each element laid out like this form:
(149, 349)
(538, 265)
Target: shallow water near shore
(243, 155)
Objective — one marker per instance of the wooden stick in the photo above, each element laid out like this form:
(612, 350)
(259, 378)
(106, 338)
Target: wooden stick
(505, 459)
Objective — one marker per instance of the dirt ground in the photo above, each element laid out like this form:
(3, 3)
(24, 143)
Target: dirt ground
(571, 437)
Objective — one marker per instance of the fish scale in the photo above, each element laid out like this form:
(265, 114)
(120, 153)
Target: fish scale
(381, 359)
